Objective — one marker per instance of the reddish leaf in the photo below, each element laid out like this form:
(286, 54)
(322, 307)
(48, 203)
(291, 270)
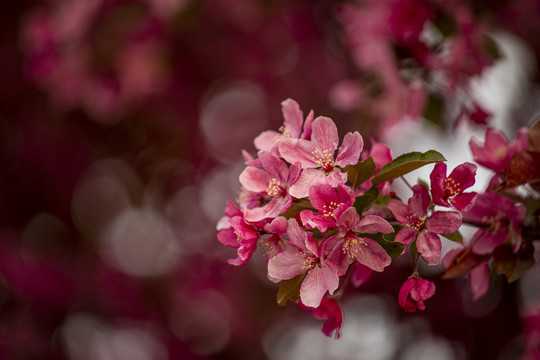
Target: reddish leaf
(464, 262)
(524, 168)
(513, 265)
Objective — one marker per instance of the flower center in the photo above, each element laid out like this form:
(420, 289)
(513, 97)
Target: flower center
(494, 222)
(352, 245)
(329, 209)
(274, 188)
(451, 187)
(414, 222)
(285, 132)
(308, 260)
(324, 159)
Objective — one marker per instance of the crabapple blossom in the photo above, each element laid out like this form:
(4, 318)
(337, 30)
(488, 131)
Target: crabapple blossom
(448, 190)
(418, 225)
(496, 152)
(330, 202)
(317, 156)
(307, 258)
(414, 292)
(349, 246)
(237, 233)
(273, 181)
(293, 122)
(498, 220)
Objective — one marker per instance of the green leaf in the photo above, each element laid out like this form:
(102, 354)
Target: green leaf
(455, 236)
(289, 289)
(435, 109)
(406, 163)
(360, 172)
(364, 202)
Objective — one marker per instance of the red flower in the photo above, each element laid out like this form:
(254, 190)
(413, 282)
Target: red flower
(448, 191)
(414, 292)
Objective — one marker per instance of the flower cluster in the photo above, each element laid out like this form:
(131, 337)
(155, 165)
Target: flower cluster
(325, 214)
(505, 215)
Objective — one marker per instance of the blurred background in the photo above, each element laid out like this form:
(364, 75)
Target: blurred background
(121, 129)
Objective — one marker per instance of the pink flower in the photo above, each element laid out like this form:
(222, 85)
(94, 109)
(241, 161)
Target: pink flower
(414, 292)
(317, 156)
(330, 202)
(272, 241)
(348, 246)
(413, 216)
(497, 151)
(273, 181)
(448, 191)
(235, 232)
(498, 219)
(293, 119)
(306, 257)
(330, 311)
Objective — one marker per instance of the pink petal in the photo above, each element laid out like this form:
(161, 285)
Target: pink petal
(294, 150)
(267, 140)
(312, 220)
(255, 179)
(520, 142)
(275, 207)
(292, 117)
(420, 200)
(348, 219)
(485, 241)
(297, 235)
(464, 202)
(423, 290)
(429, 245)
(336, 178)
(324, 134)
(373, 224)
(444, 222)
(232, 210)
(350, 149)
(380, 153)
(308, 126)
(309, 177)
(437, 177)
(323, 195)
(330, 310)
(373, 255)
(228, 237)
(285, 265)
(317, 282)
(405, 235)
(294, 174)
(479, 281)
(277, 226)
(333, 246)
(274, 166)
(464, 175)
(404, 292)
(399, 210)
